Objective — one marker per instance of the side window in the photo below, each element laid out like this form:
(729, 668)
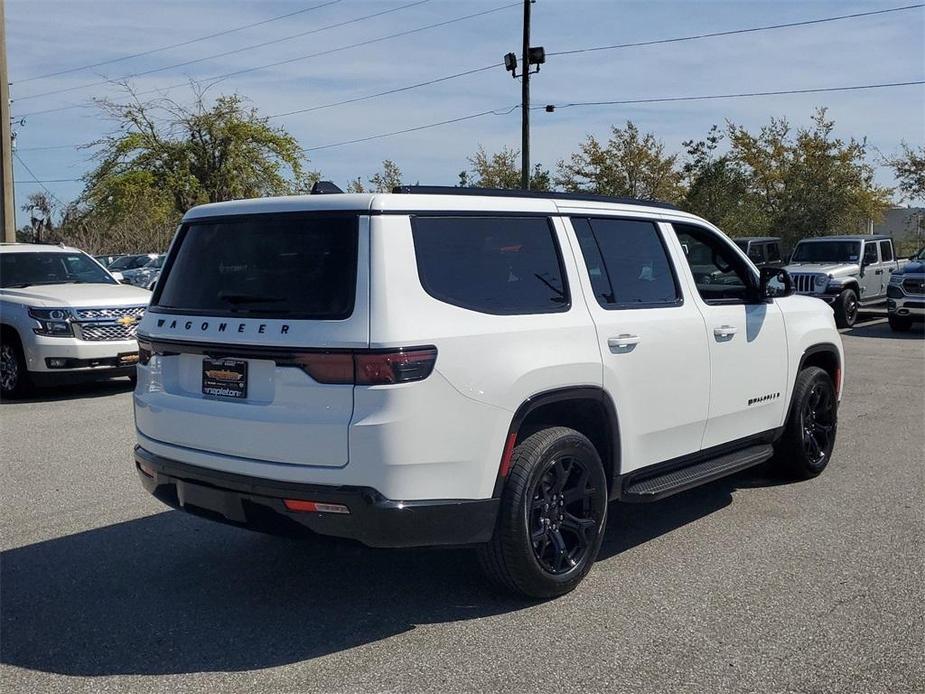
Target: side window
(886, 251)
(627, 263)
(756, 253)
(773, 252)
(721, 275)
(498, 265)
(870, 252)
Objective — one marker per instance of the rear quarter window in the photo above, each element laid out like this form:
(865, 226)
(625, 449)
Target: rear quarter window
(497, 265)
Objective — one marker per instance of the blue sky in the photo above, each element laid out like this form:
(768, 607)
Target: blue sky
(46, 36)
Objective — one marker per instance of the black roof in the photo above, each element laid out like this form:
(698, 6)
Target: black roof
(516, 193)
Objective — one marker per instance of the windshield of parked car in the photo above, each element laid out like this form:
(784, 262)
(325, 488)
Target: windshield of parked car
(156, 264)
(827, 252)
(128, 262)
(26, 269)
(920, 255)
(741, 244)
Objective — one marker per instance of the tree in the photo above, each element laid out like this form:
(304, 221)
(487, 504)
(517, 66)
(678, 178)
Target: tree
(909, 169)
(501, 170)
(807, 182)
(628, 165)
(382, 181)
(165, 157)
(717, 188)
(40, 207)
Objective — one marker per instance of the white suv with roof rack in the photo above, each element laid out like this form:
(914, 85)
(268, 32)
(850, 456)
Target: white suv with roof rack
(63, 317)
(443, 366)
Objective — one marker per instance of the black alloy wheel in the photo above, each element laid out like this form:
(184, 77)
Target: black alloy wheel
(818, 422)
(552, 515)
(563, 515)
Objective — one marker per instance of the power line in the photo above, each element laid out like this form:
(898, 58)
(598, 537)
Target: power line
(495, 112)
(740, 95)
(566, 52)
(51, 180)
(177, 45)
(224, 54)
(359, 44)
(731, 32)
(35, 179)
(389, 91)
(615, 102)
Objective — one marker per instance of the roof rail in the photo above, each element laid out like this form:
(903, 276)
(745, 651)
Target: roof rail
(515, 193)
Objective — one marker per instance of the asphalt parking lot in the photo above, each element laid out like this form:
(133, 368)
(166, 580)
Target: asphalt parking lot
(746, 585)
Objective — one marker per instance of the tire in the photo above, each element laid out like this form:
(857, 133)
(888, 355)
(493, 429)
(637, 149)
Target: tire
(536, 551)
(899, 324)
(846, 308)
(133, 378)
(806, 446)
(14, 378)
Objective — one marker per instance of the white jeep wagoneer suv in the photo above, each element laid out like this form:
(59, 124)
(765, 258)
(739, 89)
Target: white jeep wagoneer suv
(447, 366)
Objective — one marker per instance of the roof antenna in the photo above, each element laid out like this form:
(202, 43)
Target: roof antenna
(325, 188)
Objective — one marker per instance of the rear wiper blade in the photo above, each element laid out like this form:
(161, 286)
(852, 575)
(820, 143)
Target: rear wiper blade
(249, 298)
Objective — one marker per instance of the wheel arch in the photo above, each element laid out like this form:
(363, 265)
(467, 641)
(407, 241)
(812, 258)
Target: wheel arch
(587, 409)
(827, 357)
(7, 331)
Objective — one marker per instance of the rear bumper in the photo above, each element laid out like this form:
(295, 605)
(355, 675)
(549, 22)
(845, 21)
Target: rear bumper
(258, 504)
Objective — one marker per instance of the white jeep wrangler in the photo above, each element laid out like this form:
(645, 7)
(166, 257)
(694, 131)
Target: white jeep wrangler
(443, 366)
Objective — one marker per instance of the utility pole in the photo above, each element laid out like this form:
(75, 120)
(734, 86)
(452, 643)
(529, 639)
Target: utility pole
(530, 56)
(524, 103)
(7, 201)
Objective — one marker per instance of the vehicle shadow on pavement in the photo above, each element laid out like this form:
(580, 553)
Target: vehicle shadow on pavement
(171, 593)
(74, 391)
(882, 329)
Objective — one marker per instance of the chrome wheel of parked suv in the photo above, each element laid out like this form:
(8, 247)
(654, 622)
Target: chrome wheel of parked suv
(13, 377)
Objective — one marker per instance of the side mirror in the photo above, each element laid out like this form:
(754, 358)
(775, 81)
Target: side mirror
(775, 282)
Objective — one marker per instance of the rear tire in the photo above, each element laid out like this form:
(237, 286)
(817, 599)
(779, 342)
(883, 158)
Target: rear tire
(552, 516)
(806, 446)
(899, 324)
(846, 308)
(14, 378)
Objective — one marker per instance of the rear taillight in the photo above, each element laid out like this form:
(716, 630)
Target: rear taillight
(369, 368)
(400, 366)
(327, 368)
(144, 352)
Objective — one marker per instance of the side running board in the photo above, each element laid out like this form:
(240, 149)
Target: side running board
(658, 486)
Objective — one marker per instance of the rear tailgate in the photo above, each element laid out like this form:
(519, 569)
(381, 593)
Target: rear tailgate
(246, 309)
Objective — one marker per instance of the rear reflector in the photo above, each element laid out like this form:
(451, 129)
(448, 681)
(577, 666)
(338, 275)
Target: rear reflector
(145, 470)
(508, 454)
(314, 506)
(327, 368)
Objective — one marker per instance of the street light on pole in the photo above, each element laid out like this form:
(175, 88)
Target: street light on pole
(535, 55)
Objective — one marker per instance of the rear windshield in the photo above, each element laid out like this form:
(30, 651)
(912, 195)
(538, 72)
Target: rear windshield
(293, 266)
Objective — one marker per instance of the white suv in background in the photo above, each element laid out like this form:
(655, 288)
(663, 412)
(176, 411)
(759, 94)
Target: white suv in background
(464, 367)
(63, 317)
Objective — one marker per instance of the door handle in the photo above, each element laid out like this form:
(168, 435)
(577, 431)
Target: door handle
(623, 342)
(725, 331)
(878, 272)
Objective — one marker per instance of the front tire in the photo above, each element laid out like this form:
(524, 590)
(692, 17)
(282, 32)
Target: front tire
(806, 446)
(14, 378)
(552, 516)
(846, 308)
(899, 324)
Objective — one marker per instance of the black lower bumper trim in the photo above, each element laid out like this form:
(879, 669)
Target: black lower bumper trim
(258, 504)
